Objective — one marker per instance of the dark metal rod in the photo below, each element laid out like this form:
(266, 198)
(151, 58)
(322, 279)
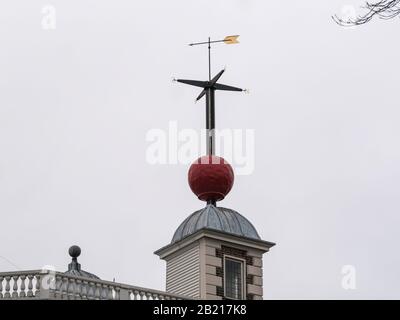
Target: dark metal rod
(210, 120)
(206, 42)
(209, 59)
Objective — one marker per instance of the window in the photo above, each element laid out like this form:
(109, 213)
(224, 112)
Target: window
(233, 275)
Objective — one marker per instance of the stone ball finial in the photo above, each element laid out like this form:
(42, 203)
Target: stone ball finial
(74, 251)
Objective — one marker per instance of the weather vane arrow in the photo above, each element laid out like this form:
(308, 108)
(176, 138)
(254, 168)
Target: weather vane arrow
(227, 40)
(209, 88)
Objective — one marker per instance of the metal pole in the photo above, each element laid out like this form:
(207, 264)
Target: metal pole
(210, 120)
(209, 59)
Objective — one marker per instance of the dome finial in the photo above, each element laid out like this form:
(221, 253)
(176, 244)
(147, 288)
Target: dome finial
(74, 251)
(74, 268)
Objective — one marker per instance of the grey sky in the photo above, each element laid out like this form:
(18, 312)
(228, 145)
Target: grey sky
(76, 103)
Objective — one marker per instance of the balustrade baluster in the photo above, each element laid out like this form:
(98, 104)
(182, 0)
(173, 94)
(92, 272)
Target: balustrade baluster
(131, 296)
(110, 292)
(38, 285)
(7, 294)
(104, 292)
(57, 286)
(22, 292)
(15, 287)
(97, 292)
(84, 290)
(117, 294)
(91, 293)
(1, 287)
(71, 288)
(78, 289)
(64, 288)
(30, 285)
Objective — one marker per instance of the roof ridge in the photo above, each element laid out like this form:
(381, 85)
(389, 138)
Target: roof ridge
(219, 218)
(198, 218)
(237, 220)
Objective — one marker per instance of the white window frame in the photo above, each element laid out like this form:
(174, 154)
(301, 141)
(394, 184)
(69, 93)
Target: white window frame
(244, 284)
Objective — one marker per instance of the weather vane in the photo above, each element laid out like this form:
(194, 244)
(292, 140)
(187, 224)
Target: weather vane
(209, 88)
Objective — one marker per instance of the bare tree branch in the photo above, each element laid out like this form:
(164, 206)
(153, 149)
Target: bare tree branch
(384, 9)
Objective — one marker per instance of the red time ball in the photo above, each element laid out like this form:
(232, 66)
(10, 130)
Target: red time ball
(211, 178)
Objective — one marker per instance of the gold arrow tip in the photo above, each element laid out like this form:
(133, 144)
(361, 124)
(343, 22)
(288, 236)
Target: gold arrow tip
(231, 39)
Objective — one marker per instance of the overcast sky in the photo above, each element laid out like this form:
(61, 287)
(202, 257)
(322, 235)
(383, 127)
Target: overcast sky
(77, 101)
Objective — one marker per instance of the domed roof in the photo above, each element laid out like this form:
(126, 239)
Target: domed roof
(216, 218)
(81, 273)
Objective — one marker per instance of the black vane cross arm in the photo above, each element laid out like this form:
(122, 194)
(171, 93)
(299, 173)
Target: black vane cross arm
(209, 85)
(216, 78)
(195, 83)
(201, 95)
(219, 86)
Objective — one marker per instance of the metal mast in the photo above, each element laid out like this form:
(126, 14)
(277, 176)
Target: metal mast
(209, 88)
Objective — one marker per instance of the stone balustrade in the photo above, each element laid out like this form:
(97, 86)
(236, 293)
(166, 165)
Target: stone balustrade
(46, 284)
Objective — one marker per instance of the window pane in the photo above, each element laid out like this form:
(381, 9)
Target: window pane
(233, 279)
